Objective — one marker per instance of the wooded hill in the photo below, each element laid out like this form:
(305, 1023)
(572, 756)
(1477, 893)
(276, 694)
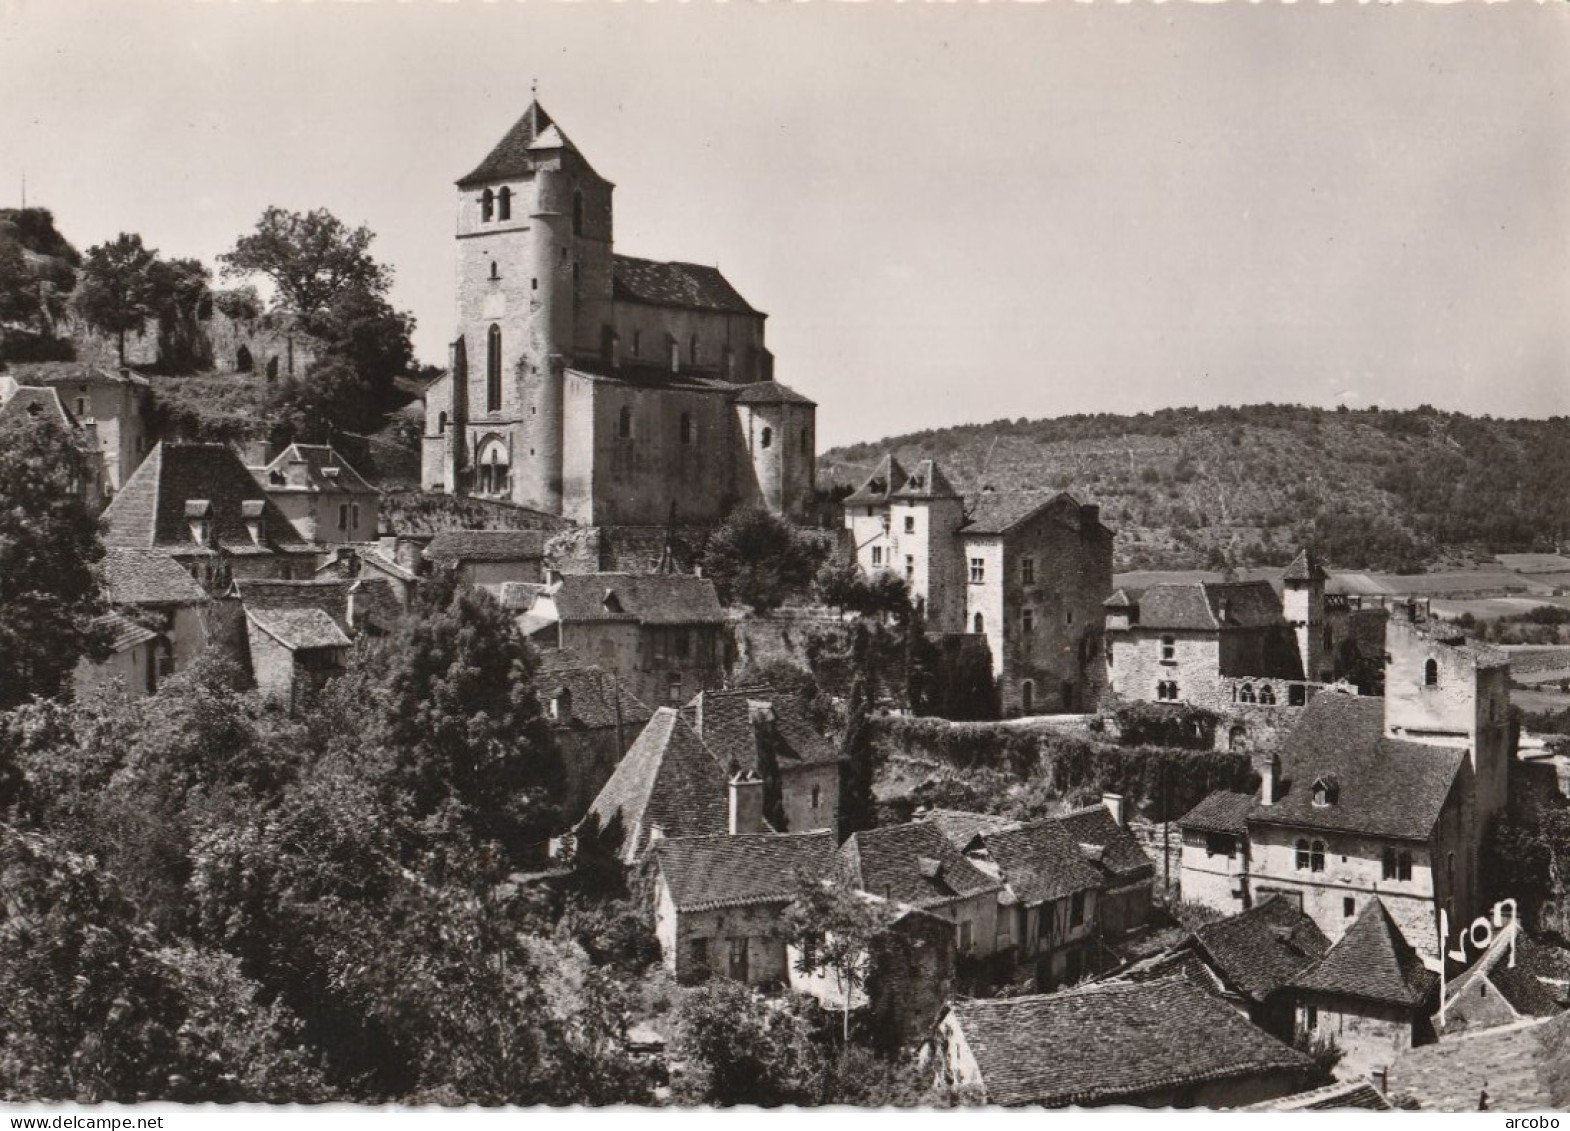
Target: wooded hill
(1209, 488)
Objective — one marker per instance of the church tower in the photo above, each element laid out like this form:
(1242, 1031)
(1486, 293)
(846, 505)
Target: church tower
(534, 294)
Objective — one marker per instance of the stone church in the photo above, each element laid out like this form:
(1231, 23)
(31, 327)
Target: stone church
(603, 388)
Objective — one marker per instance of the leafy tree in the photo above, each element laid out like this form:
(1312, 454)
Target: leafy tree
(858, 807)
(759, 559)
(117, 292)
(312, 258)
(738, 1048)
(49, 545)
(835, 929)
(331, 398)
(364, 332)
(177, 289)
(37, 270)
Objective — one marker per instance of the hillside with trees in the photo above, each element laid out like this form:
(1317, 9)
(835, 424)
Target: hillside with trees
(1212, 488)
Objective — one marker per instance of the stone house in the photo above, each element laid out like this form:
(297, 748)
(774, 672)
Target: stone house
(1370, 797)
(1027, 572)
(1156, 1044)
(115, 404)
(1370, 993)
(664, 635)
(327, 500)
(742, 727)
(719, 901)
(916, 865)
(669, 786)
(595, 720)
(42, 401)
(298, 633)
(597, 386)
(197, 504)
(160, 620)
(1503, 987)
(490, 559)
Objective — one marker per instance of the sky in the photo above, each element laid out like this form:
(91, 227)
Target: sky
(952, 212)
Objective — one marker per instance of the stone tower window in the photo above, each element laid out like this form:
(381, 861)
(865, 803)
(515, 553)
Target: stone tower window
(806, 442)
(1027, 621)
(624, 423)
(493, 369)
(504, 204)
(1431, 674)
(1027, 696)
(1169, 651)
(577, 213)
(1027, 571)
(1267, 695)
(495, 271)
(979, 625)
(441, 423)
(686, 427)
(487, 205)
(767, 438)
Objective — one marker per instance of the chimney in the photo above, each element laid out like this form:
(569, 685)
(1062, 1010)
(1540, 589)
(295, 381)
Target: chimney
(1270, 780)
(252, 511)
(1117, 805)
(349, 609)
(746, 804)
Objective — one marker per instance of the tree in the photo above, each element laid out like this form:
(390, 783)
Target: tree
(835, 930)
(759, 559)
(312, 258)
(858, 807)
(117, 290)
(49, 545)
(364, 332)
(37, 271)
(177, 288)
(738, 1048)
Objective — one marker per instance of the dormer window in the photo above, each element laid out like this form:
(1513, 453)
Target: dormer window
(1326, 792)
(610, 602)
(487, 206)
(199, 515)
(504, 204)
(254, 512)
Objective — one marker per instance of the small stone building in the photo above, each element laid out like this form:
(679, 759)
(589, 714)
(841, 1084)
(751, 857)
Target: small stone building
(159, 620)
(327, 500)
(491, 559)
(595, 720)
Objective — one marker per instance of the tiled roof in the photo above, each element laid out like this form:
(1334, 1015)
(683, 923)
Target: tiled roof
(1372, 961)
(666, 783)
(1114, 1042)
(1210, 605)
(487, 546)
(375, 601)
(962, 828)
(1387, 787)
(998, 512)
(597, 697)
(926, 482)
(1343, 1095)
(1040, 861)
(325, 470)
(733, 724)
(1519, 987)
(73, 373)
(734, 871)
(35, 400)
(771, 392)
(1514, 1068)
(123, 632)
(649, 598)
(690, 286)
(518, 596)
(151, 508)
(1305, 567)
(148, 577)
(297, 629)
(1181, 961)
(1124, 598)
(510, 158)
(914, 864)
(1263, 948)
(880, 485)
(1221, 812)
(1119, 852)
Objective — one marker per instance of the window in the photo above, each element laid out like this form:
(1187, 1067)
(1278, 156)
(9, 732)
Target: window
(354, 516)
(700, 954)
(1027, 571)
(806, 442)
(686, 427)
(1267, 695)
(1297, 695)
(1326, 792)
(1310, 1017)
(1076, 909)
(493, 369)
(817, 796)
(910, 568)
(738, 959)
(1168, 650)
(577, 213)
(1167, 689)
(978, 570)
(1388, 864)
(624, 423)
(81, 406)
(1348, 907)
(673, 688)
(877, 556)
(692, 349)
(487, 205)
(441, 423)
(504, 204)
(967, 937)
(1005, 928)
(978, 625)
(1247, 695)
(495, 270)
(1068, 617)
(1303, 855)
(1404, 866)
(910, 524)
(1316, 856)
(1220, 844)
(1027, 696)
(1431, 674)
(766, 440)
(1027, 621)
(343, 516)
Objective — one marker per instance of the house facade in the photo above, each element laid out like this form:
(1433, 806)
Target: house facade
(325, 499)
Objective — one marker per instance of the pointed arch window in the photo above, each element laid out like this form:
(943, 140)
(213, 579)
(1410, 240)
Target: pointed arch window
(980, 624)
(487, 206)
(493, 369)
(504, 204)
